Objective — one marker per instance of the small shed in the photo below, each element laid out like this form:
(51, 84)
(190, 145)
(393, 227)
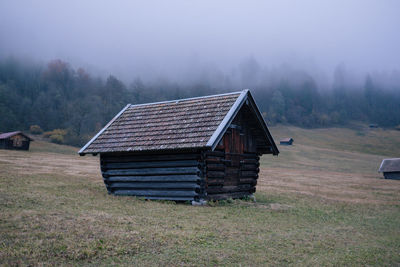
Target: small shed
(15, 140)
(390, 168)
(190, 149)
(286, 141)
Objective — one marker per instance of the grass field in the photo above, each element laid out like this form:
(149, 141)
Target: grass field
(320, 202)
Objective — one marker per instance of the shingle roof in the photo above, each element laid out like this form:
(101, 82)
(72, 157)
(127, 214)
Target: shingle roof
(179, 124)
(390, 165)
(8, 135)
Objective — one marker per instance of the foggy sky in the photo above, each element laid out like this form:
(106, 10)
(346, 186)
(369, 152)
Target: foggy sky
(178, 38)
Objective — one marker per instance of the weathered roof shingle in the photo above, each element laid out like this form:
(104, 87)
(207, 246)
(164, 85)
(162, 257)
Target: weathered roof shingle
(187, 123)
(192, 123)
(10, 134)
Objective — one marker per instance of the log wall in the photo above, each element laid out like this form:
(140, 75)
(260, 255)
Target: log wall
(10, 144)
(158, 176)
(226, 181)
(392, 175)
(232, 169)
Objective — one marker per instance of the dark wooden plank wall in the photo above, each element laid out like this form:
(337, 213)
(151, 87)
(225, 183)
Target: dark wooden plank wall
(226, 181)
(10, 143)
(392, 175)
(232, 169)
(157, 176)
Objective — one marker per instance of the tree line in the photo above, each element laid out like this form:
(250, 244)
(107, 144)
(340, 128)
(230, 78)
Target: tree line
(78, 104)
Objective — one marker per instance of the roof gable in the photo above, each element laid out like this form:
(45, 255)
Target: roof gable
(180, 124)
(390, 165)
(10, 134)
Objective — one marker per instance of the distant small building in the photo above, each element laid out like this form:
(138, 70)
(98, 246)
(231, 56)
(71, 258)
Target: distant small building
(286, 141)
(373, 125)
(15, 140)
(391, 168)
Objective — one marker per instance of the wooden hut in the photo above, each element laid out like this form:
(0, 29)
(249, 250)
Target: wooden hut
(190, 149)
(286, 141)
(15, 140)
(390, 168)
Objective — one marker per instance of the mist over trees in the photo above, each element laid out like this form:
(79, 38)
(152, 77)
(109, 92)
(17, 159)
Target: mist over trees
(57, 96)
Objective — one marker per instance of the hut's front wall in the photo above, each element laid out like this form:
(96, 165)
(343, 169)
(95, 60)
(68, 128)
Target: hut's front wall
(287, 143)
(173, 176)
(18, 142)
(231, 176)
(232, 169)
(3, 143)
(392, 175)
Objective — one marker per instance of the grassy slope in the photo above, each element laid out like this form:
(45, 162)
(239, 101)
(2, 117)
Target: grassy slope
(320, 202)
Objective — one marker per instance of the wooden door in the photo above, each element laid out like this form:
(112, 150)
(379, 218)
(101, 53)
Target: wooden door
(233, 143)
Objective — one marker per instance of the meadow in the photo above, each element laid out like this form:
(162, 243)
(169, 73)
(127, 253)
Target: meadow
(320, 202)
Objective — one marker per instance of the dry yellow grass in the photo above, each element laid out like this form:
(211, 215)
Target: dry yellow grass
(317, 204)
(328, 164)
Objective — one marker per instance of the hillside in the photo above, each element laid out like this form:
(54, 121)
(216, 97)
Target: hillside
(320, 202)
(58, 96)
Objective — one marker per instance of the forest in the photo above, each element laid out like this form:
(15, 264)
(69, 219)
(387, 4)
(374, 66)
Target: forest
(71, 105)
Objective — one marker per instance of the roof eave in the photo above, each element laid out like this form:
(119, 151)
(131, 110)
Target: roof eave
(223, 126)
(199, 148)
(11, 134)
(275, 150)
(81, 152)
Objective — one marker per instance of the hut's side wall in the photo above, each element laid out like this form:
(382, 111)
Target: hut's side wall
(154, 176)
(392, 175)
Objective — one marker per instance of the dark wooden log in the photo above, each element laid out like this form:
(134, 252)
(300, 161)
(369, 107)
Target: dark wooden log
(228, 195)
(215, 174)
(215, 153)
(249, 174)
(154, 171)
(248, 181)
(250, 168)
(250, 161)
(151, 164)
(214, 181)
(215, 167)
(171, 198)
(228, 189)
(251, 156)
(215, 161)
(156, 193)
(172, 178)
(151, 185)
(140, 158)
